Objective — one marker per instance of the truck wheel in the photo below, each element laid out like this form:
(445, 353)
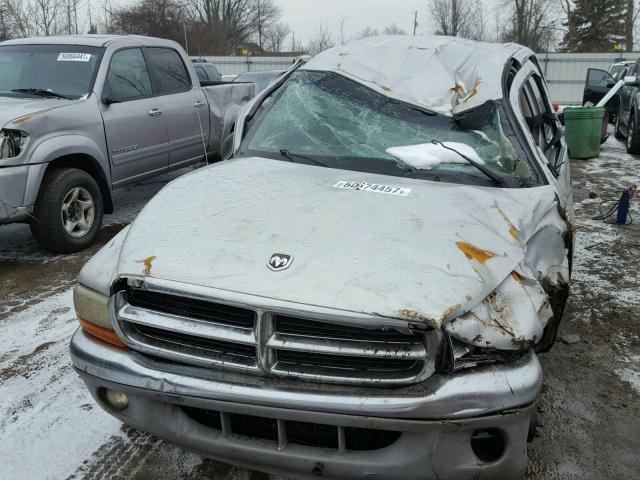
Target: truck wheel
(633, 140)
(68, 212)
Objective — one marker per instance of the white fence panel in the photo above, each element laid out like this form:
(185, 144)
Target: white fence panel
(237, 65)
(566, 72)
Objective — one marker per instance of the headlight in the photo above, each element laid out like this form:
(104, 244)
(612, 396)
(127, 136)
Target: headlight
(92, 309)
(11, 143)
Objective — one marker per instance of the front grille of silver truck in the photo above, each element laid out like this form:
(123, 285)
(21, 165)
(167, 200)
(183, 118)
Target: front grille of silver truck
(205, 333)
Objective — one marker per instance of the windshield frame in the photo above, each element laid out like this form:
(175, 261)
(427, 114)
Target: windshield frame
(100, 51)
(466, 177)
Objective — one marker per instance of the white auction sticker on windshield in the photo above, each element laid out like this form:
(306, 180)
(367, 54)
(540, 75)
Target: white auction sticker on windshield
(373, 187)
(74, 57)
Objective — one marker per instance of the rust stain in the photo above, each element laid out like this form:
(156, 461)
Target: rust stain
(468, 298)
(148, 264)
(474, 253)
(473, 92)
(447, 313)
(386, 89)
(418, 316)
(26, 118)
(514, 233)
(517, 277)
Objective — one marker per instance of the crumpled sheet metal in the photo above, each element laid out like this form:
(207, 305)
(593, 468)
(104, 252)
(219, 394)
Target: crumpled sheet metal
(224, 99)
(444, 74)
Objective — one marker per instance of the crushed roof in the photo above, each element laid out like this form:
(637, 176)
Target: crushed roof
(444, 74)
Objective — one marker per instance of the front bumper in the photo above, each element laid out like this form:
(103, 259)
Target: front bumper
(14, 183)
(435, 421)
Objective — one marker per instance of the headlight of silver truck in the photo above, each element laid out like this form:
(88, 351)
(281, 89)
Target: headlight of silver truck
(92, 310)
(461, 356)
(11, 143)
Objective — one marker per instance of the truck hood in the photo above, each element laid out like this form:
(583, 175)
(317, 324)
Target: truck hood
(12, 108)
(430, 251)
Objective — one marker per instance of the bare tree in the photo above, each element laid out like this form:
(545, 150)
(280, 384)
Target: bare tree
(275, 36)
(368, 32)
(459, 18)
(266, 14)
(529, 22)
(45, 15)
(394, 29)
(322, 41)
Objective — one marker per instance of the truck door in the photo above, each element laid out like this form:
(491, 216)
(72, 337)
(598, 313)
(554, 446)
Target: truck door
(134, 122)
(184, 104)
(598, 84)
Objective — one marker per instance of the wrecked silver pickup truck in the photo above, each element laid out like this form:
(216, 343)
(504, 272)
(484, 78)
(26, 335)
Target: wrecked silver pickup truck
(81, 116)
(364, 292)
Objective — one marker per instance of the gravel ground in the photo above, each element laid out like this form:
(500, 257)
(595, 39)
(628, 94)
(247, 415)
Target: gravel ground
(589, 411)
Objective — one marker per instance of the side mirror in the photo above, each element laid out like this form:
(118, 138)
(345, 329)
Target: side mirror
(226, 149)
(108, 100)
(632, 81)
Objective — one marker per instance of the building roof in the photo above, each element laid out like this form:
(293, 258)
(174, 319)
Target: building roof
(443, 74)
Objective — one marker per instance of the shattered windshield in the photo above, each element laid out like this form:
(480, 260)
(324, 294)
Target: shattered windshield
(327, 118)
(60, 71)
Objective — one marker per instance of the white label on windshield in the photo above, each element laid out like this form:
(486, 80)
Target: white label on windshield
(373, 187)
(74, 57)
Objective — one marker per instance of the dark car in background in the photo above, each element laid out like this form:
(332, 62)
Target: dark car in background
(261, 79)
(206, 71)
(623, 106)
(619, 70)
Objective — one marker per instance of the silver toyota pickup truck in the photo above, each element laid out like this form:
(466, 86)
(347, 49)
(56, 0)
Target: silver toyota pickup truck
(83, 115)
(365, 292)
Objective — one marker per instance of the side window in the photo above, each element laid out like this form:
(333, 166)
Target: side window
(127, 77)
(542, 122)
(214, 74)
(634, 70)
(168, 71)
(200, 72)
(599, 78)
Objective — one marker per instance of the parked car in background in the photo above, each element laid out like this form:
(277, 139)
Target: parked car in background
(228, 78)
(364, 291)
(261, 79)
(623, 107)
(619, 70)
(206, 71)
(83, 115)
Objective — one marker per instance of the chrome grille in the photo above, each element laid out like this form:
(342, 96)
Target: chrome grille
(195, 331)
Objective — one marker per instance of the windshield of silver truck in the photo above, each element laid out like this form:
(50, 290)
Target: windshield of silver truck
(55, 71)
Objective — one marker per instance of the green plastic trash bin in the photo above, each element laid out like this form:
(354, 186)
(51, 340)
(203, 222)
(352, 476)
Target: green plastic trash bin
(583, 131)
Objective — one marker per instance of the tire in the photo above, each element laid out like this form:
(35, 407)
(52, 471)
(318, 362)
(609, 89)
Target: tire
(68, 212)
(617, 132)
(633, 136)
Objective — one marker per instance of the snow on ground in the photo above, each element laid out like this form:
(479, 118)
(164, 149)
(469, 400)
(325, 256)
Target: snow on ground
(47, 417)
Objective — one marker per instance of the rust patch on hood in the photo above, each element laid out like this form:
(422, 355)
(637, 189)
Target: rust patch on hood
(414, 315)
(449, 311)
(148, 265)
(474, 253)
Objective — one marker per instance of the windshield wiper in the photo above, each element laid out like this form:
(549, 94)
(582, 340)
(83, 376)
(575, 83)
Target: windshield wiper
(493, 176)
(290, 156)
(41, 92)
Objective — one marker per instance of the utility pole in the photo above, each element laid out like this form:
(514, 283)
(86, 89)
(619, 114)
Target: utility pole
(415, 22)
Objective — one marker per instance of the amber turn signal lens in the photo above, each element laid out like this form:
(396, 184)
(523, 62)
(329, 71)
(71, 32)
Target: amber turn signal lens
(101, 333)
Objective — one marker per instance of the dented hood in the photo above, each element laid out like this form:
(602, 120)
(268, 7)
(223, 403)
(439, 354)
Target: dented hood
(397, 247)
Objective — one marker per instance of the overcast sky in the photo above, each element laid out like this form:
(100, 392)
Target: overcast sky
(305, 16)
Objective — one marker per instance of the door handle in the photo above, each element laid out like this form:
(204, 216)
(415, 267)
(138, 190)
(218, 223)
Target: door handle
(199, 104)
(155, 112)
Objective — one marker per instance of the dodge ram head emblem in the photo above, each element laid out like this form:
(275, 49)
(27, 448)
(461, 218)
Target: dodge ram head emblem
(279, 261)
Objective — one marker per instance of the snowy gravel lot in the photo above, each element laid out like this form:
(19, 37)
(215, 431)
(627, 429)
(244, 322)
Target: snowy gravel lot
(589, 411)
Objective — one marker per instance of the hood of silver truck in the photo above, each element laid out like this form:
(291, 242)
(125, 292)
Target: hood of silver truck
(390, 246)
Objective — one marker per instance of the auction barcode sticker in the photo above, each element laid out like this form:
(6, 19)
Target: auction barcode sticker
(74, 57)
(373, 187)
